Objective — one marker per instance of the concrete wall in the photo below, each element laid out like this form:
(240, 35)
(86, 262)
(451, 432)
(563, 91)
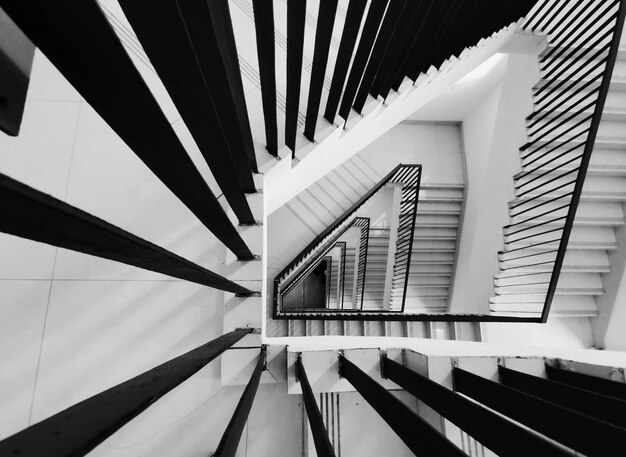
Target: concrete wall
(72, 325)
(492, 134)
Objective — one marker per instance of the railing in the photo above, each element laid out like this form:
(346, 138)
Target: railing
(406, 230)
(576, 72)
(408, 175)
(298, 274)
(357, 302)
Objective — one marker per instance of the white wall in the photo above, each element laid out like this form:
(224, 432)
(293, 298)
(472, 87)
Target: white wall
(492, 134)
(72, 325)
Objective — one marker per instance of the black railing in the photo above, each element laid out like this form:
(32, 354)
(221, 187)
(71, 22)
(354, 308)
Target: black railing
(576, 71)
(408, 176)
(362, 263)
(404, 242)
(301, 271)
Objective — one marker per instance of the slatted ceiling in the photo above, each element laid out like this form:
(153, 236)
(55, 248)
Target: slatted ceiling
(382, 40)
(351, 27)
(399, 46)
(450, 10)
(296, 15)
(419, 27)
(165, 38)
(223, 29)
(323, 35)
(264, 27)
(453, 32)
(435, 15)
(77, 38)
(395, 47)
(368, 35)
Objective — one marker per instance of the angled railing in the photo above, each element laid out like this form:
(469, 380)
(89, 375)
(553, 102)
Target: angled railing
(583, 40)
(408, 175)
(298, 274)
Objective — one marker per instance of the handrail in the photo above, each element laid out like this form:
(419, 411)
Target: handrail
(593, 130)
(555, 168)
(349, 219)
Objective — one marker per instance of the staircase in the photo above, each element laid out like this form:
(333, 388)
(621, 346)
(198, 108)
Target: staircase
(600, 212)
(432, 257)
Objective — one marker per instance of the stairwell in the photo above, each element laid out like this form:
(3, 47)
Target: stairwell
(600, 212)
(432, 257)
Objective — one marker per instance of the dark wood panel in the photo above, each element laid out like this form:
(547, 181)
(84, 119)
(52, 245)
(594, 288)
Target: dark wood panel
(29, 213)
(201, 97)
(77, 38)
(323, 35)
(80, 428)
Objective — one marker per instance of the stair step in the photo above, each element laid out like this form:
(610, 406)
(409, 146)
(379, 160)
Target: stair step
(609, 212)
(434, 245)
(581, 260)
(423, 305)
(353, 328)
(601, 159)
(425, 206)
(574, 306)
(430, 233)
(374, 328)
(422, 291)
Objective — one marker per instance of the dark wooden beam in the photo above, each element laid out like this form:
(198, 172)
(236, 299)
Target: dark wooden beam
(564, 425)
(323, 35)
(16, 60)
(398, 44)
(368, 35)
(223, 30)
(323, 448)
(490, 429)
(264, 27)
(296, 14)
(77, 38)
(419, 436)
(596, 405)
(351, 27)
(380, 47)
(80, 428)
(169, 43)
(29, 213)
(232, 435)
(590, 383)
(396, 65)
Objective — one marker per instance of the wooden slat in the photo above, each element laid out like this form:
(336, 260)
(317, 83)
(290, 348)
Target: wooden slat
(77, 38)
(202, 98)
(382, 41)
(408, 30)
(264, 27)
(419, 28)
(16, 60)
(493, 431)
(564, 425)
(395, 46)
(323, 448)
(223, 30)
(232, 435)
(29, 213)
(351, 27)
(368, 35)
(80, 428)
(419, 436)
(323, 35)
(296, 14)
